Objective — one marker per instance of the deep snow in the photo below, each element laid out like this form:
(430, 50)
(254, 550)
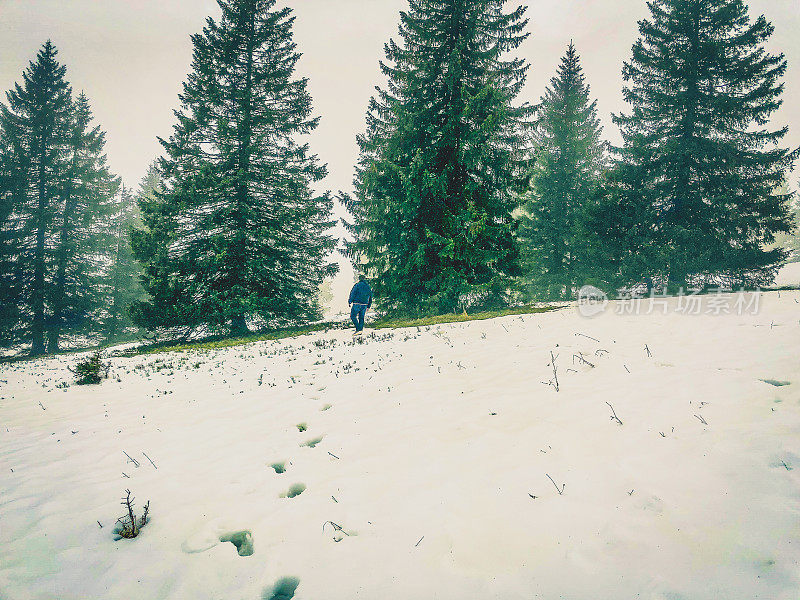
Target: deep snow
(431, 450)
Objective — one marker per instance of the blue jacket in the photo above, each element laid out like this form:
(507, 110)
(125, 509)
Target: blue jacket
(361, 294)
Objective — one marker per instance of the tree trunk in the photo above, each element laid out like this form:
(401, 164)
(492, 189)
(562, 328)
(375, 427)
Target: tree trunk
(37, 301)
(59, 295)
(239, 326)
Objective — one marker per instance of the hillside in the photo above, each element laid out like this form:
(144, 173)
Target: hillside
(438, 462)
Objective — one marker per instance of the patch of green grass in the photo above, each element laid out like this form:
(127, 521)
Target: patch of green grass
(217, 342)
(397, 322)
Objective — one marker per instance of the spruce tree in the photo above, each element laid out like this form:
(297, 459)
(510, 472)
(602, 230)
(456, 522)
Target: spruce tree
(699, 156)
(237, 233)
(441, 157)
(150, 185)
(55, 189)
(35, 127)
(570, 156)
(123, 279)
(125, 273)
(83, 230)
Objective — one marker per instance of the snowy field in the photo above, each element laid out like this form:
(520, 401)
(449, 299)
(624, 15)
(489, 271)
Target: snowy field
(432, 452)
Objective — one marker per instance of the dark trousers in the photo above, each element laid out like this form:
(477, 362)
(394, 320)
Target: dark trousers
(357, 315)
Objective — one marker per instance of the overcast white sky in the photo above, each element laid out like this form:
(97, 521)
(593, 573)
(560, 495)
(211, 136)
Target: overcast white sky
(130, 56)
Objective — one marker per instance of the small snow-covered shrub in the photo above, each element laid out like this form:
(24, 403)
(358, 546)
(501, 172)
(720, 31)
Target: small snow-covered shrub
(91, 371)
(128, 526)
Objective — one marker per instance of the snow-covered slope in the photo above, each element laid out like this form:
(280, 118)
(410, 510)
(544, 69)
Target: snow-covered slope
(452, 466)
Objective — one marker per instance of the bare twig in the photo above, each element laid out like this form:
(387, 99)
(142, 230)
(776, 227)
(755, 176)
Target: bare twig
(559, 490)
(580, 357)
(702, 420)
(649, 354)
(128, 502)
(555, 371)
(131, 459)
(333, 455)
(587, 336)
(42, 405)
(336, 527)
(626, 368)
(614, 416)
(150, 459)
(418, 542)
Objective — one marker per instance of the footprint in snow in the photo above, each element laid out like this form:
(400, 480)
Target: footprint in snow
(284, 589)
(776, 382)
(213, 533)
(313, 442)
(294, 491)
(243, 540)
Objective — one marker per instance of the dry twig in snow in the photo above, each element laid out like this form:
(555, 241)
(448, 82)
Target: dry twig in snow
(587, 336)
(559, 490)
(554, 381)
(131, 459)
(614, 416)
(150, 459)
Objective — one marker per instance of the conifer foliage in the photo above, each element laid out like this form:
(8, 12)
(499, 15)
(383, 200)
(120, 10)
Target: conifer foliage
(570, 157)
(237, 234)
(441, 156)
(55, 189)
(700, 163)
(124, 272)
(83, 230)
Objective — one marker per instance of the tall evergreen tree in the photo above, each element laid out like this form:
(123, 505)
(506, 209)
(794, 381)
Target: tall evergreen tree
(700, 160)
(150, 185)
(83, 230)
(570, 156)
(442, 153)
(35, 127)
(237, 232)
(123, 280)
(55, 189)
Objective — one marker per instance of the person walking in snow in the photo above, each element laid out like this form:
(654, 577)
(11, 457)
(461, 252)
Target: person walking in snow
(360, 300)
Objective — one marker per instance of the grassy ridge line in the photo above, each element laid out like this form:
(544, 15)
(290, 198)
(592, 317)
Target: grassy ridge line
(292, 332)
(460, 318)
